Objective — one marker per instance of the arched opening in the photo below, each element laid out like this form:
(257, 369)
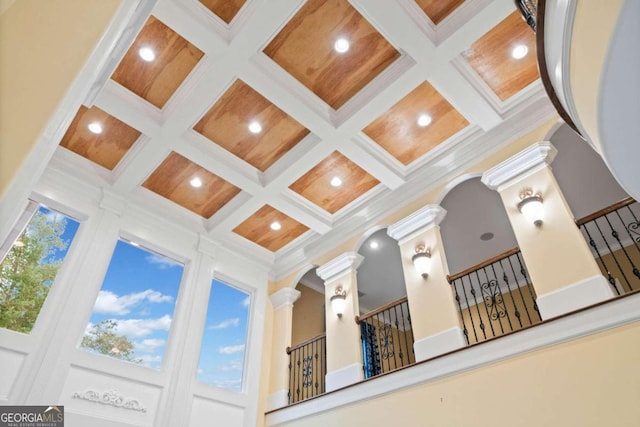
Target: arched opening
(488, 275)
(607, 216)
(308, 353)
(386, 335)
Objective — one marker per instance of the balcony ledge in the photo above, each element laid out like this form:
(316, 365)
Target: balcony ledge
(607, 315)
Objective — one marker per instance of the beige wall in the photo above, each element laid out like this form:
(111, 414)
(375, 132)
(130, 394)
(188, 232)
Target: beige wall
(43, 46)
(592, 381)
(308, 315)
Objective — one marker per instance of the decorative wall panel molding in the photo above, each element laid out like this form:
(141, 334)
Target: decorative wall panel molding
(111, 397)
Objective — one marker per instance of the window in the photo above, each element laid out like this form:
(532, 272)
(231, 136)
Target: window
(134, 309)
(30, 265)
(225, 335)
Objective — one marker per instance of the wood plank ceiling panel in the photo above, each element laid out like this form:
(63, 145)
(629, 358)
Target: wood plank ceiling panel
(224, 9)
(316, 186)
(172, 178)
(491, 57)
(157, 80)
(257, 228)
(227, 122)
(398, 130)
(305, 49)
(437, 10)
(108, 146)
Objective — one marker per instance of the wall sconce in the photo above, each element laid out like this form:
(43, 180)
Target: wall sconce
(339, 301)
(531, 207)
(422, 261)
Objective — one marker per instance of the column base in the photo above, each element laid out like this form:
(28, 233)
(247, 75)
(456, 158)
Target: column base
(343, 377)
(587, 292)
(440, 343)
(279, 399)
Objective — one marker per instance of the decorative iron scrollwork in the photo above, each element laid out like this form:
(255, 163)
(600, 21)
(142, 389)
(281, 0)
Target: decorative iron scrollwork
(307, 371)
(493, 299)
(634, 228)
(386, 337)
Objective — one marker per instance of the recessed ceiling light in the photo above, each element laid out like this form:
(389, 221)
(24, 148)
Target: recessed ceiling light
(147, 54)
(275, 226)
(520, 51)
(424, 120)
(341, 45)
(336, 181)
(196, 182)
(374, 244)
(255, 127)
(95, 127)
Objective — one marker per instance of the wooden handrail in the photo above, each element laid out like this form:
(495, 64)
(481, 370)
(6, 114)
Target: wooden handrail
(303, 343)
(380, 309)
(602, 212)
(505, 254)
(543, 69)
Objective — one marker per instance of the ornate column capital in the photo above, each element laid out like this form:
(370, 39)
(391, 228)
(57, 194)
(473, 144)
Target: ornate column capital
(284, 297)
(347, 262)
(422, 219)
(526, 162)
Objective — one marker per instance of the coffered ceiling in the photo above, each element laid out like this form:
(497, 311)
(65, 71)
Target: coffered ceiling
(321, 115)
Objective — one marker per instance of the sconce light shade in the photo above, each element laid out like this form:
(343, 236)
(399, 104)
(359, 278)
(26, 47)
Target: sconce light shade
(339, 301)
(531, 207)
(422, 261)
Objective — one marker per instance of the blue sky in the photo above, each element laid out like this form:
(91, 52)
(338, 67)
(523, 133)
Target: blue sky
(225, 335)
(139, 291)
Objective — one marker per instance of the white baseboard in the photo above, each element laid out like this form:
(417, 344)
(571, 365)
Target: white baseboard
(279, 399)
(440, 343)
(343, 377)
(587, 292)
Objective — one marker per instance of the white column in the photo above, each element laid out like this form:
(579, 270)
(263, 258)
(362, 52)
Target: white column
(560, 264)
(344, 355)
(282, 302)
(434, 315)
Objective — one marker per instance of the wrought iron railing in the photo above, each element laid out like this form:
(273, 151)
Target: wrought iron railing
(528, 9)
(386, 337)
(307, 368)
(495, 297)
(613, 234)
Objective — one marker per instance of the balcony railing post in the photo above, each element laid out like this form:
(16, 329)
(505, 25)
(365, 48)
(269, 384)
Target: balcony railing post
(435, 324)
(558, 261)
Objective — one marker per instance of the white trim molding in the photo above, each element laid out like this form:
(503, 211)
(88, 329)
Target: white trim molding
(345, 263)
(285, 297)
(344, 376)
(440, 343)
(528, 161)
(617, 313)
(278, 399)
(420, 220)
(586, 292)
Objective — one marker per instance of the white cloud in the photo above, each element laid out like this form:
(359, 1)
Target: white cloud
(226, 323)
(53, 216)
(150, 345)
(228, 384)
(161, 262)
(200, 371)
(110, 303)
(231, 349)
(246, 301)
(232, 365)
(142, 327)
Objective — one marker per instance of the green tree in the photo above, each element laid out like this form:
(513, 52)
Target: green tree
(103, 339)
(27, 272)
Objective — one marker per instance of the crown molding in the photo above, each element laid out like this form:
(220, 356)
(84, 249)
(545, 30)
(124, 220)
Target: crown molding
(285, 297)
(347, 262)
(529, 160)
(424, 218)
